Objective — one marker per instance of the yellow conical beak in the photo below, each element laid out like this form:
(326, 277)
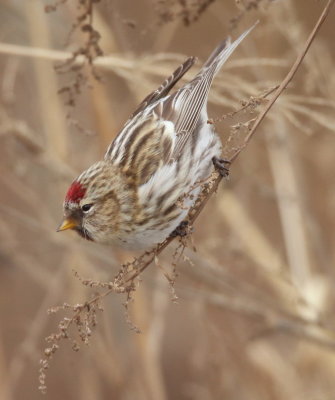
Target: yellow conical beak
(67, 223)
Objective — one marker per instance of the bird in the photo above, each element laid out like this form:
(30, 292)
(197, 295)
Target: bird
(151, 174)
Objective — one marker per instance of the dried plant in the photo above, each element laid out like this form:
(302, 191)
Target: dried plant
(254, 303)
(88, 51)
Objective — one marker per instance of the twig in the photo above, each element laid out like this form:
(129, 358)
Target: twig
(287, 79)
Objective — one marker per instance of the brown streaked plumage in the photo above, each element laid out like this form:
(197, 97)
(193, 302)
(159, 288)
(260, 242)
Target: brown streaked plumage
(150, 174)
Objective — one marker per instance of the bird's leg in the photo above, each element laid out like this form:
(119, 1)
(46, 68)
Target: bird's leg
(182, 230)
(222, 166)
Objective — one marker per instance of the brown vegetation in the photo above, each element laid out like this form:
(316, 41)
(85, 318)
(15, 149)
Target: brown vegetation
(249, 315)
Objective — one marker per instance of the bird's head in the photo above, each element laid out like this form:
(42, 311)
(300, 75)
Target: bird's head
(91, 206)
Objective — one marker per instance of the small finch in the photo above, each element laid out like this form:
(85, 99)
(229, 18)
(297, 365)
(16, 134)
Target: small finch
(149, 178)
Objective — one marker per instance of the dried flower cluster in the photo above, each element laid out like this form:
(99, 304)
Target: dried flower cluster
(79, 326)
(188, 11)
(86, 53)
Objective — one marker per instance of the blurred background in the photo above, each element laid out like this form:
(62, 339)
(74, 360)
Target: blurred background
(254, 317)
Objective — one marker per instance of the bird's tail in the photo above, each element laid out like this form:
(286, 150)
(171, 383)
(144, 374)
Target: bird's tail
(221, 54)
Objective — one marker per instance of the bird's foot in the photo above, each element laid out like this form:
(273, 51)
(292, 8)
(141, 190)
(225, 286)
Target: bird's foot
(182, 230)
(222, 166)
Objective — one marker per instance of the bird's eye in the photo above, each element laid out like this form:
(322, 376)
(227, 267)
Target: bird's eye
(86, 207)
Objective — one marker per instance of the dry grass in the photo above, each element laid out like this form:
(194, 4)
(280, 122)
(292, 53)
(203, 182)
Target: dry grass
(254, 315)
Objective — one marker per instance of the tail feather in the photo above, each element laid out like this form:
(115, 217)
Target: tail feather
(222, 52)
(185, 106)
(217, 51)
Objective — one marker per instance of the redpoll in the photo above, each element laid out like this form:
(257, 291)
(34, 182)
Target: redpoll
(149, 178)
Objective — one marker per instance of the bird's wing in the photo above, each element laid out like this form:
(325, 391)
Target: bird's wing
(153, 97)
(165, 87)
(143, 146)
(184, 107)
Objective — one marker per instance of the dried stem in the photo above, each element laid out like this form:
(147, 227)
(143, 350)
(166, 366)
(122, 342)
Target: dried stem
(287, 79)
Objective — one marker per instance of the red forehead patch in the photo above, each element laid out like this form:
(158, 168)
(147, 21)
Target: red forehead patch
(75, 193)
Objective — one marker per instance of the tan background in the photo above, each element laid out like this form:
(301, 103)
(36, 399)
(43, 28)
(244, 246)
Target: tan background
(255, 313)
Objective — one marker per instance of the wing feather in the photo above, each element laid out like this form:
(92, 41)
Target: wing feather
(117, 145)
(166, 86)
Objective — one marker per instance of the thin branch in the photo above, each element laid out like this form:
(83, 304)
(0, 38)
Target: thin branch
(287, 79)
